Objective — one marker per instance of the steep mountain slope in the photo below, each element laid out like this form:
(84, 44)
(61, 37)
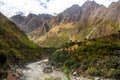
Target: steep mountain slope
(31, 22)
(78, 23)
(71, 14)
(87, 10)
(15, 47)
(90, 20)
(114, 12)
(18, 19)
(12, 36)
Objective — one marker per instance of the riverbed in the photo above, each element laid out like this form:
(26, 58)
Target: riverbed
(34, 71)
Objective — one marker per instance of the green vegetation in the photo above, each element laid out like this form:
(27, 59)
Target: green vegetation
(94, 57)
(57, 40)
(16, 48)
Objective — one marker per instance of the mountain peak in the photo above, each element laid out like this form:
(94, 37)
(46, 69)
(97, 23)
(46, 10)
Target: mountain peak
(20, 13)
(89, 3)
(114, 11)
(31, 15)
(18, 19)
(75, 6)
(114, 4)
(70, 14)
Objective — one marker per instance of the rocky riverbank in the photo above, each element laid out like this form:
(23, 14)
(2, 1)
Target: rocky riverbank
(35, 71)
(41, 70)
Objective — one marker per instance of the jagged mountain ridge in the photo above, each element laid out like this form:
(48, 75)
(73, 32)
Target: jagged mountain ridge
(18, 19)
(31, 22)
(78, 23)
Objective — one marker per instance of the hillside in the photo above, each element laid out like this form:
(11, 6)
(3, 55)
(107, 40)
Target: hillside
(15, 48)
(14, 44)
(95, 57)
(12, 36)
(87, 39)
(31, 22)
(76, 23)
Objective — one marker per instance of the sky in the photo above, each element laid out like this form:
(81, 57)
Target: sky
(13, 7)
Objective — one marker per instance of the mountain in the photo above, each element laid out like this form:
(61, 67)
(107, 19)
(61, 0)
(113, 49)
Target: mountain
(77, 23)
(70, 15)
(15, 47)
(87, 10)
(114, 12)
(12, 35)
(31, 22)
(18, 19)
(87, 37)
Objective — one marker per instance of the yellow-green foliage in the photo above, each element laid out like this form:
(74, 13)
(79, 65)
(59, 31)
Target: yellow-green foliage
(15, 45)
(95, 57)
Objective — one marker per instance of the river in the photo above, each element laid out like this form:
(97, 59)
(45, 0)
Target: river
(34, 71)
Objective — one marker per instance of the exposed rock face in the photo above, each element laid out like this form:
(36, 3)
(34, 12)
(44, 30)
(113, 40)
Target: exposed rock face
(114, 12)
(87, 9)
(71, 14)
(18, 19)
(97, 15)
(75, 23)
(31, 22)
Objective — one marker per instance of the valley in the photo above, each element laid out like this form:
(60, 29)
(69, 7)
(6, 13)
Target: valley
(76, 23)
(80, 43)
(34, 71)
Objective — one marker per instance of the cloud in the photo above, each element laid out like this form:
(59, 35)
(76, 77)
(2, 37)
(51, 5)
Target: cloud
(26, 6)
(10, 7)
(47, 0)
(44, 5)
(41, 3)
(2, 3)
(106, 2)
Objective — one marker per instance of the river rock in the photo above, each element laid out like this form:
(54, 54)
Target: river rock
(76, 74)
(48, 69)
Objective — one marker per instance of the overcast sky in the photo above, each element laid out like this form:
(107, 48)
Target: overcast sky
(12, 7)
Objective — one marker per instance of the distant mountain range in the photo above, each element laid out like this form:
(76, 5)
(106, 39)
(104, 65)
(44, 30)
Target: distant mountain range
(76, 23)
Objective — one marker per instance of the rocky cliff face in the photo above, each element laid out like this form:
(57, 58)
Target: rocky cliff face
(114, 12)
(31, 22)
(71, 14)
(77, 23)
(18, 19)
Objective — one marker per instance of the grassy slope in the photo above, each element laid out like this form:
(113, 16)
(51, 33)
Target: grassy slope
(95, 57)
(63, 33)
(13, 36)
(15, 47)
